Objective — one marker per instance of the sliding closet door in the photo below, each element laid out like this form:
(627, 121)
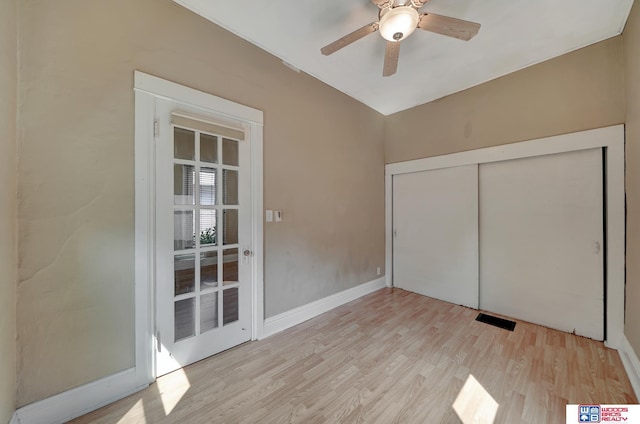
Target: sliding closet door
(435, 234)
(541, 239)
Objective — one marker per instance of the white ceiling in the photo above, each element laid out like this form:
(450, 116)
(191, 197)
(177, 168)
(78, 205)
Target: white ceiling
(514, 34)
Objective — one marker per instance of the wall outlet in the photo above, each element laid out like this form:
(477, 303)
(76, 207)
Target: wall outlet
(378, 271)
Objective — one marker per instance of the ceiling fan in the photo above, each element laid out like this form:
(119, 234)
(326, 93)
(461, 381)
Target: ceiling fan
(397, 19)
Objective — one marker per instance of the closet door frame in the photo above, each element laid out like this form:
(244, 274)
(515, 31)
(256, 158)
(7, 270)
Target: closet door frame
(609, 138)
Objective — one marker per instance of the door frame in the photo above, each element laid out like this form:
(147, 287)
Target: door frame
(147, 89)
(611, 138)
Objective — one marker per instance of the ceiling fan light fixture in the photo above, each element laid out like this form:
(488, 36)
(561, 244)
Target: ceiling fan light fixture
(398, 23)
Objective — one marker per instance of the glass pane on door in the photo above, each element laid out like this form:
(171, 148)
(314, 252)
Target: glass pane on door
(230, 152)
(208, 233)
(184, 319)
(208, 270)
(184, 144)
(207, 186)
(183, 226)
(208, 312)
(183, 184)
(230, 306)
(184, 274)
(229, 187)
(230, 267)
(208, 148)
(230, 223)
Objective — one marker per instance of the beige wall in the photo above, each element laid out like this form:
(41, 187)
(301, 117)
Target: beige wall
(578, 91)
(631, 41)
(8, 84)
(324, 168)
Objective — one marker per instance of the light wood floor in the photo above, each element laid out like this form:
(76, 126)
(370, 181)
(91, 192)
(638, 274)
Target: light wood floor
(389, 357)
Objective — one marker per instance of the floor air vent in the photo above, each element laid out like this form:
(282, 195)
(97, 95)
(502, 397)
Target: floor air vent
(496, 322)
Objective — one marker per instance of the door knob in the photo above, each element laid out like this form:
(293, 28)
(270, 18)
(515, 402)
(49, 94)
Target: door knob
(246, 252)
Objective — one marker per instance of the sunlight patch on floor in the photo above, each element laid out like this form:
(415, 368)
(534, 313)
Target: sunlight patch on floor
(135, 414)
(172, 388)
(474, 405)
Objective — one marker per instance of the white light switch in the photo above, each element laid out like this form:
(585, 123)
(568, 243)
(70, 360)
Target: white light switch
(268, 215)
(278, 216)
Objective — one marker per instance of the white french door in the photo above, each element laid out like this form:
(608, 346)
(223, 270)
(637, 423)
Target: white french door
(203, 235)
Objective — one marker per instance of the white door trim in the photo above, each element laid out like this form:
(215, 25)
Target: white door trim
(610, 137)
(148, 88)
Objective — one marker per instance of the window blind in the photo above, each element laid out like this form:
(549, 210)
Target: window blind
(186, 120)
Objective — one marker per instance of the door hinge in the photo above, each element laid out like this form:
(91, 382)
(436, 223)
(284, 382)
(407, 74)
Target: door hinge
(156, 128)
(158, 342)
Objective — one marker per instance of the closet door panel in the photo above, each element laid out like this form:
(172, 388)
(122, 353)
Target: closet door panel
(435, 244)
(541, 240)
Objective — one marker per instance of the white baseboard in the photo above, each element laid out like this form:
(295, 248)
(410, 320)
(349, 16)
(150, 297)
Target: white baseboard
(73, 403)
(631, 364)
(303, 313)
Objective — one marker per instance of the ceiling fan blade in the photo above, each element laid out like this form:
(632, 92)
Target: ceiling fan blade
(451, 27)
(349, 38)
(391, 58)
